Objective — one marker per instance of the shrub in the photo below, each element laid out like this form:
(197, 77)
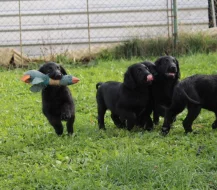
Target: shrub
(187, 44)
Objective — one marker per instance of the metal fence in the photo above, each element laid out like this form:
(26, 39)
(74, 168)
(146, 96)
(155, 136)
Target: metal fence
(41, 27)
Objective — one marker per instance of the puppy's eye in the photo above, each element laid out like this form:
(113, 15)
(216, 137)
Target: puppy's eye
(49, 70)
(58, 67)
(160, 63)
(139, 71)
(145, 67)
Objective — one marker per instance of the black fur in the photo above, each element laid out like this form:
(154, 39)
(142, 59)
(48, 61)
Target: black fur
(195, 92)
(128, 101)
(57, 102)
(166, 77)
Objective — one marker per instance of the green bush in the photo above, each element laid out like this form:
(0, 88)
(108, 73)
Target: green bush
(187, 44)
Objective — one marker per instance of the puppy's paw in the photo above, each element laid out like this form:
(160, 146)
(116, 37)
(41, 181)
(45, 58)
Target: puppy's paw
(102, 127)
(121, 125)
(214, 125)
(164, 131)
(188, 131)
(150, 129)
(156, 122)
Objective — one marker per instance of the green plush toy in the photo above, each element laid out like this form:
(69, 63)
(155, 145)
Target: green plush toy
(39, 80)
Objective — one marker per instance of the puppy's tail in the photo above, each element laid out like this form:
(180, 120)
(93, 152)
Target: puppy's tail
(98, 84)
(190, 99)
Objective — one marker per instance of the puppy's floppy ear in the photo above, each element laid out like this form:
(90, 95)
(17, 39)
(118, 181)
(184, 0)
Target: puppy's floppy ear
(41, 69)
(151, 66)
(158, 62)
(128, 79)
(178, 70)
(63, 71)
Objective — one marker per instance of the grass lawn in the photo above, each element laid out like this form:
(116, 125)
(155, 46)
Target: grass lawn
(33, 157)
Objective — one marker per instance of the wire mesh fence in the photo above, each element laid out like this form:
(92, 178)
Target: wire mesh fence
(42, 27)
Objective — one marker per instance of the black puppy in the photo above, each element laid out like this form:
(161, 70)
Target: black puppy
(166, 77)
(195, 92)
(57, 102)
(128, 101)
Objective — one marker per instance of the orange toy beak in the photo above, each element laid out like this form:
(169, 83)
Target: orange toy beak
(26, 78)
(75, 80)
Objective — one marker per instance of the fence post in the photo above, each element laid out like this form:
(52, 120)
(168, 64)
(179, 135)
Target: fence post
(88, 25)
(175, 29)
(168, 21)
(20, 28)
(213, 13)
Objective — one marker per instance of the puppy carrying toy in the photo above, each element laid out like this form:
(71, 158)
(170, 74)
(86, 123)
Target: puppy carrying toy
(39, 80)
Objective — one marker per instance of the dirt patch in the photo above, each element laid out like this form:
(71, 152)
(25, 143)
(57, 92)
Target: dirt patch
(11, 58)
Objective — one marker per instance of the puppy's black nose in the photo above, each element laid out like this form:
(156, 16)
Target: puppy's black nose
(173, 69)
(58, 76)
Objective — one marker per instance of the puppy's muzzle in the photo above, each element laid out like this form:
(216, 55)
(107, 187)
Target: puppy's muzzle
(173, 69)
(56, 76)
(171, 73)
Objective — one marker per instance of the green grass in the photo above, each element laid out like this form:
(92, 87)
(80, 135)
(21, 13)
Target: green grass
(33, 157)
